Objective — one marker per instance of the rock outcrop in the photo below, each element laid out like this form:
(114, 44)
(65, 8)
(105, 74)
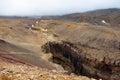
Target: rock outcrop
(89, 50)
(75, 60)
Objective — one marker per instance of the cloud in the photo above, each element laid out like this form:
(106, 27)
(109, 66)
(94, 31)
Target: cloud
(53, 7)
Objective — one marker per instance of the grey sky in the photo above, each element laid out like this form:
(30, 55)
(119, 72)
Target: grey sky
(53, 7)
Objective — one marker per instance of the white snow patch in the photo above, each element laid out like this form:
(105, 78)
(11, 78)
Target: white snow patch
(36, 22)
(103, 21)
(32, 26)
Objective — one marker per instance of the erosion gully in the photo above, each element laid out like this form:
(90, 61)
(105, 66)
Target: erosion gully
(75, 61)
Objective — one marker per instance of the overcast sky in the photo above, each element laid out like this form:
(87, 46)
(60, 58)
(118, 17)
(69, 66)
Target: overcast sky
(53, 7)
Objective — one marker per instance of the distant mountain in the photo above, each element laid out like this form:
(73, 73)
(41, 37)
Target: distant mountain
(13, 17)
(109, 17)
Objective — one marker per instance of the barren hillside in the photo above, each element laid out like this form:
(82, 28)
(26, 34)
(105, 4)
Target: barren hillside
(106, 17)
(20, 48)
(72, 47)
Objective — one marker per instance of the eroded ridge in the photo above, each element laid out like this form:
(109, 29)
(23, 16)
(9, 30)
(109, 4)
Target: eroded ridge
(75, 59)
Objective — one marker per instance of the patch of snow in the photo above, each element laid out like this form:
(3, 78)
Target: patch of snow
(103, 21)
(32, 26)
(36, 22)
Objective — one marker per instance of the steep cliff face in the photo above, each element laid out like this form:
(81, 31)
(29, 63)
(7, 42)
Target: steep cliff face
(75, 59)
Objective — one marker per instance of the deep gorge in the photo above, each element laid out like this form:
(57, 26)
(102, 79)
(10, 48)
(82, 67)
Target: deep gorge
(75, 61)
